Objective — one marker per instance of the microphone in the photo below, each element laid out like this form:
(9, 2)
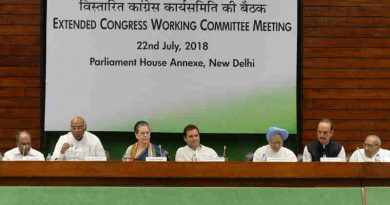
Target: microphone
(161, 153)
(24, 148)
(74, 155)
(196, 155)
(358, 150)
(224, 152)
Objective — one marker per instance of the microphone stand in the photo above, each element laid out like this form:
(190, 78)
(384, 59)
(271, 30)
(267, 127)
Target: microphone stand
(224, 153)
(363, 156)
(161, 153)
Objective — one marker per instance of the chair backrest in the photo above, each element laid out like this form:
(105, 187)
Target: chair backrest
(165, 153)
(300, 157)
(249, 157)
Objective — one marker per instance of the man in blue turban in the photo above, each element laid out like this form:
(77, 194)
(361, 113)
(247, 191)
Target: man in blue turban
(275, 150)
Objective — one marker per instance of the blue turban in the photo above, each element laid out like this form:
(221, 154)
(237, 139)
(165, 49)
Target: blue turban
(272, 131)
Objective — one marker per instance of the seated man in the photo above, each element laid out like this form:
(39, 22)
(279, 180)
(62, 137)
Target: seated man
(143, 147)
(193, 151)
(372, 151)
(78, 144)
(23, 151)
(275, 137)
(323, 147)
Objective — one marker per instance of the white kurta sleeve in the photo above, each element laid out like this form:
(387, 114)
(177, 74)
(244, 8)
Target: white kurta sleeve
(57, 150)
(7, 157)
(99, 150)
(342, 155)
(179, 157)
(291, 156)
(354, 157)
(258, 156)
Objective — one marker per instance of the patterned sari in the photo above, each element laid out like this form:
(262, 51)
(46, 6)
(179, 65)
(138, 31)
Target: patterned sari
(150, 151)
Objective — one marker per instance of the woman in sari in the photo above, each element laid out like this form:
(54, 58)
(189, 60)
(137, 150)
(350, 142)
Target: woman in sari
(143, 147)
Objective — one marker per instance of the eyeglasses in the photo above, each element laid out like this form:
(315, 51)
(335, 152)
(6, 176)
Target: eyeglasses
(370, 146)
(276, 143)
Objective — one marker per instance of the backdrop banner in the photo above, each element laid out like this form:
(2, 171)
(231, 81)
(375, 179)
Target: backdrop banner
(228, 66)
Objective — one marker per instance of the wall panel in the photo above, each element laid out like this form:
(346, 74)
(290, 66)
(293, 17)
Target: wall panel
(20, 72)
(346, 69)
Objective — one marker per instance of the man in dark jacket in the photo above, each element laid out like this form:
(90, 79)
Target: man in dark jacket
(324, 146)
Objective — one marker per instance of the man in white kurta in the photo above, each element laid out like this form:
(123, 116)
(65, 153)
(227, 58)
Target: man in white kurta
(15, 155)
(78, 144)
(275, 137)
(194, 151)
(359, 156)
(187, 154)
(372, 151)
(23, 151)
(266, 151)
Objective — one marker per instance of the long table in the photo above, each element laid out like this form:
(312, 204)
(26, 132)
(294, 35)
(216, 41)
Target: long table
(232, 174)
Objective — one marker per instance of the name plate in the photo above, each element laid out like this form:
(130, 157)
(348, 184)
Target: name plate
(330, 159)
(211, 159)
(387, 159)
(274, 159)
(96, 159)
(29, 158)
(156, 159)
